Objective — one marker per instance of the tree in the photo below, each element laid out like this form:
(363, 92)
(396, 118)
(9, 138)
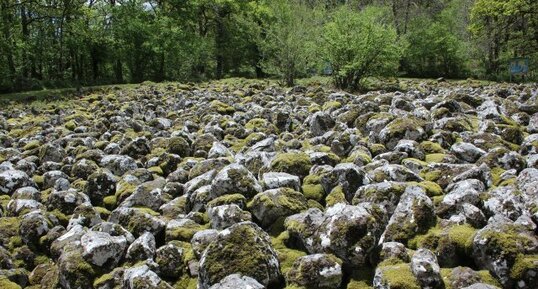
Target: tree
(504, 29)
(288, 47)
(360, 44)
(434, 50)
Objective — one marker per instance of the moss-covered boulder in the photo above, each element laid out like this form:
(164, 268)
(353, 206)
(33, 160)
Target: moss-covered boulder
(317, 271)
(232, 179)
(348, 232)
(413, 215)
(508, 251)
(226, 255)
(295, 163)
(395, 277)
(402, 128)
(274, 205)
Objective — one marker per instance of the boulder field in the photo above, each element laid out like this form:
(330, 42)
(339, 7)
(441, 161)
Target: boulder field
(244, 184)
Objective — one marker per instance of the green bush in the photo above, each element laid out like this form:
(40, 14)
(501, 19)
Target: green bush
(358, 44)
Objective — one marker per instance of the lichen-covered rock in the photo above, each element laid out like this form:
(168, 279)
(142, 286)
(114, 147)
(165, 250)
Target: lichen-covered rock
(467, 152)
(181, 229)
(11, 180)
(426, 269)
(102, 249)
(232, 179)
(318, 271)
(413, 215)
(142, 248)
(148, 194)
(507, 250)
(202, 239)
(32, 226)
(169, 259)
(99, 185)
(237, 281)
(273, 205)
(394, 251)
(224, 216)
(274, 180)
(320, 123)
(331, 231)
(118, 164)
(143, 277)
(226, 255)
(402, 128)
(137, 220)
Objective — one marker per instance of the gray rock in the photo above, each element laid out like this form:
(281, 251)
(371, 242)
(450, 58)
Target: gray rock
(270, 206)
(224, 216)
(273, 180)
(11, 180)
(102, 249)
(143, 277)
(232, 179)
(467, 152)
(321, 271)
(426, 269)
(236, 281)
(320, 123)
(142, 248)
(226, 255)
(413, 215)
(118, 164)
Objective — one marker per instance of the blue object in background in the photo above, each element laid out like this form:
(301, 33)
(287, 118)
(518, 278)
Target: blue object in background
(519, 66)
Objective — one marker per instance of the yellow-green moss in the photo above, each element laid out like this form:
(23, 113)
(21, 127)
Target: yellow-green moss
(156, 170)
(431, 147)
(462, 236)
(110, 202)
(435, 158)
(103, 212)
(486, 277)
(432, 189)
(39, 180)
(227, 199)
(522, 265)
(428, 240)
(6, 284)
(103, 279)
(286, 256)
(364, 158)
(335, 196)
(186, 282)
(297, 163)
(222, 107)
(124, 189)
(431, 175)
(400, 277)
(71, 125)
(330, 105)
(33, 144)
(312, 188)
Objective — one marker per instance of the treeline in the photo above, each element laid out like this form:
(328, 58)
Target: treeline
(61, 43)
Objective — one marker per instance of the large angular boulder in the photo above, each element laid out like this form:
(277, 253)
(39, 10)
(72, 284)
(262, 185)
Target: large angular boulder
(11, 180)
(270, 206)
(227, 255)
(232, 179)
(318, 271)
(348, 232)
(414, 215)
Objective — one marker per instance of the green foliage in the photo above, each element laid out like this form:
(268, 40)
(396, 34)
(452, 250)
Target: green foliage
(360, 44)
(434, 50)
(287, 43)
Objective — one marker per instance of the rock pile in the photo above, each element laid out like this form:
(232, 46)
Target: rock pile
(247, 185)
